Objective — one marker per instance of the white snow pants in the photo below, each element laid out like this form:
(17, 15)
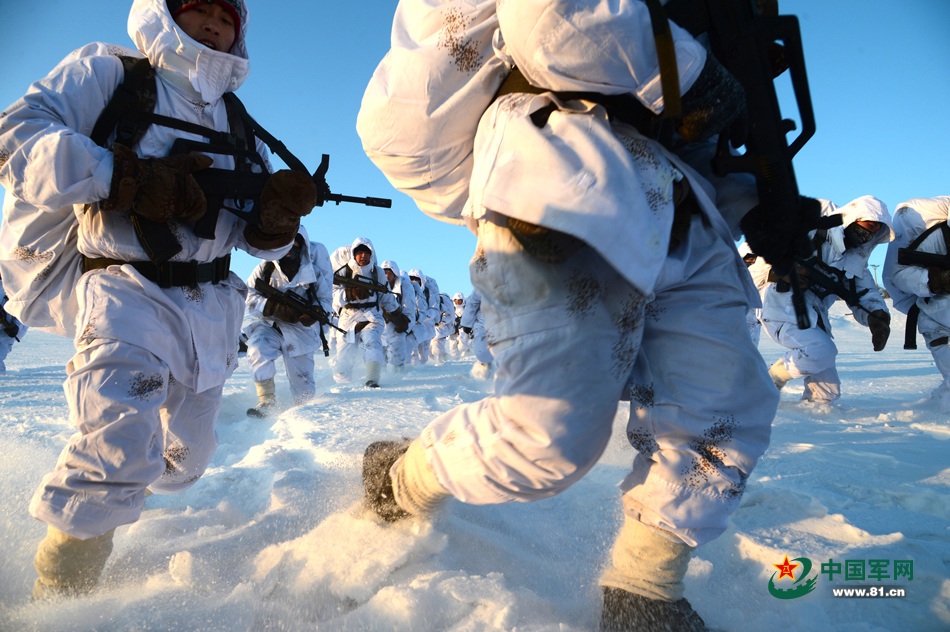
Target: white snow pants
(931, 330)
(264, 346)
(438, 347)
(479, 344)
(567, 339)
(811, 355)
(138, 428)
(458, 343)
(6, 344)
(395, 344)
(369, 340)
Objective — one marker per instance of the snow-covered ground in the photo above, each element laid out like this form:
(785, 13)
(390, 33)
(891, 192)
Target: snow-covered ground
(272, 537)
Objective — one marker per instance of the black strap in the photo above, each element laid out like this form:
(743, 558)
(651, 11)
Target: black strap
(10, 328)
(666, 59)
(137, 88)
(910, 329)
(936, 342)
(170, 274)
(914, 245)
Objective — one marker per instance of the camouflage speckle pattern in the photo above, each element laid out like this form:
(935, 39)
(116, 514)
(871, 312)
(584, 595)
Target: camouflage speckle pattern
(4, 156)
(585, 292)
(142, 387)
(173, 455)
(709, 462)
(479, 263)
(654, 311)
(192, 294)
(643, 395)
(463, 51)
(629, 324)
(643, 442)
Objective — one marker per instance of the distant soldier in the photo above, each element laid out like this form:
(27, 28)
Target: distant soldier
(11, 330)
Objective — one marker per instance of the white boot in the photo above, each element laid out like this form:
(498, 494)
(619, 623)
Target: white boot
(68, 566)
(372, 374)
(265, 398)
(780, 375)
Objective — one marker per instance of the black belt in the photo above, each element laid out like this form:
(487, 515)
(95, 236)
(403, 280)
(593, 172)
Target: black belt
(171, 273)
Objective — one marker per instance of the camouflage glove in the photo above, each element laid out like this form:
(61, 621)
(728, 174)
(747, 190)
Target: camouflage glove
(287, 196)
(280, 311)
(356, 293)
(158, 189)
(715, 102)
(400, 322)
(938, 281)
(307, 320)
(879, 322)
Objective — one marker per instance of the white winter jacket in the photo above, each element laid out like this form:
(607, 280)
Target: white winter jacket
(777, 306)
(299, 339)
(364, 310)
(49, 162)
(405, 293)
(909, 284)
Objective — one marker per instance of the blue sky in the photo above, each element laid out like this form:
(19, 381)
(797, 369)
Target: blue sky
(878, 72)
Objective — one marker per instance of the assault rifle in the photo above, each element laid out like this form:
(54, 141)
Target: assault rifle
(10, 328)
(744, 36)
(361, 282)
(242, 186)
(831, 280)
(301, 305)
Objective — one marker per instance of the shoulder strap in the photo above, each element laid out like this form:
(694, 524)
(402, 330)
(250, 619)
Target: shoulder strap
(268, 271)
(914, 245)
(130, 105)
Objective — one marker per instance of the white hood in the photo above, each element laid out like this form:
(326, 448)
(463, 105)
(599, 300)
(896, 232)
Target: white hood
(192, 67)
(865, 208)
(357, 269)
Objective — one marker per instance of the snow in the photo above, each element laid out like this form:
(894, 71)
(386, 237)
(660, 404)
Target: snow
(273, 536)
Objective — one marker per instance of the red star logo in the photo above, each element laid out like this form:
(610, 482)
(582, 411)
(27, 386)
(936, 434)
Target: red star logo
(786, 568)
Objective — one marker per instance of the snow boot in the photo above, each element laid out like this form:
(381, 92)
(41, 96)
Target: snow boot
(643, 587)
(481, 371)
(372, 374)
(627, 612)
(415, 488)
(379, 498)
(779, 374)
(265, 399)
(68, 566)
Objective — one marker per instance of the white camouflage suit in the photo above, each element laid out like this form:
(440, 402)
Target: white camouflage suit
(473, 319)
(908, 284)
(395, 342)
(427, 312)
(354, 313)
(812, 351)
(458, 341)
(144, 387)
(269, 338)
(445, 327)
(623, 314)
(6, 342)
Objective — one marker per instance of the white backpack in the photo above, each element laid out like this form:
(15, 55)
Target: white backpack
(421, 109)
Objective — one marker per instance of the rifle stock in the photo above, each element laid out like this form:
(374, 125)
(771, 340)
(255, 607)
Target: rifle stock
(906, 257)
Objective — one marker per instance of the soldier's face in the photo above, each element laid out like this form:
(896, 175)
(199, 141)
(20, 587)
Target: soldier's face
(390, 276)
(362, 257)
(208, 24)
(458, 302)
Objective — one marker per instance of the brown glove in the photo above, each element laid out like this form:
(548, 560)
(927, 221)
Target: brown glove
(307, 320)
(287, 196)
(879, 322)
(158, 189)
(280, 311)
(938, 280)
(355, 293)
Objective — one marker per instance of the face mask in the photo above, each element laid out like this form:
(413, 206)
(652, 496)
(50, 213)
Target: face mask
(856, 235)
